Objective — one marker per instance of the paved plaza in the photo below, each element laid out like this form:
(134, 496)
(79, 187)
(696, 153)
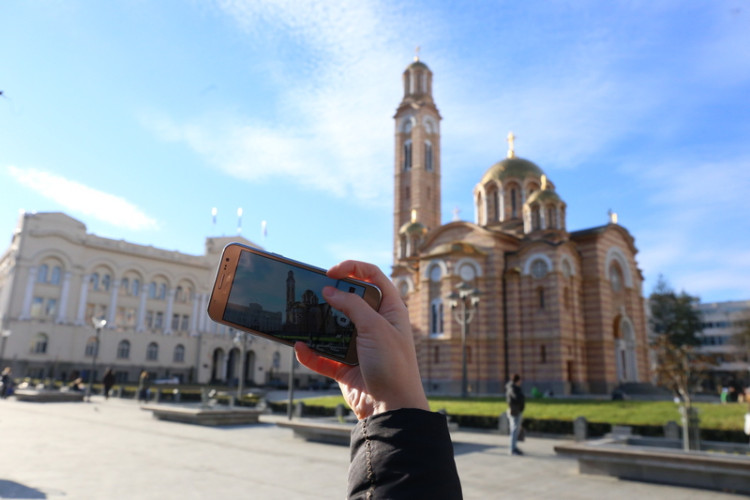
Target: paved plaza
(114, 450)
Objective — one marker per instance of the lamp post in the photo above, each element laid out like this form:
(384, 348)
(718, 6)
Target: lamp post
(464, 301)
(98, 323)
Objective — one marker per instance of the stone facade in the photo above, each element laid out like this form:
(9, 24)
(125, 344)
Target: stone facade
(563, 309)
(55, 278)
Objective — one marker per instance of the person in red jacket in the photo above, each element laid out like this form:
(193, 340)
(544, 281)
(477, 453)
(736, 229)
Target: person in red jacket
(399, 448)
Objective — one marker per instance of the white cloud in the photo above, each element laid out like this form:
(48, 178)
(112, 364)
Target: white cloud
(78, 198)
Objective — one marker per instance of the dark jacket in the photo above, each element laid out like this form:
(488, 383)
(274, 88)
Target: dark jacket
(403, 454)
(516, 399)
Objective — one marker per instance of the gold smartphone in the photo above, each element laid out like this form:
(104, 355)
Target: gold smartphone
(282, 300)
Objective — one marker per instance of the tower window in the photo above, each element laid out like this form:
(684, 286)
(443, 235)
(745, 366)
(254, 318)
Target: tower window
(428, 156)
(514, 202)
(407, 155)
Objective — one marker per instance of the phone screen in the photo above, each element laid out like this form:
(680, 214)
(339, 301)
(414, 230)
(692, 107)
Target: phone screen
(285, 301)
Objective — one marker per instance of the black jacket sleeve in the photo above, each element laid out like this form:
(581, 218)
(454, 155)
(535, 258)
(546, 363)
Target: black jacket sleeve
(403, 454)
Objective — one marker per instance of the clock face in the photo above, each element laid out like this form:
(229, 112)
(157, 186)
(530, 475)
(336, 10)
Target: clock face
(467, 272)
(539, 268)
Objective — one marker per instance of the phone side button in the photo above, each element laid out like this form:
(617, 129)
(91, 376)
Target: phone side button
(221, 281)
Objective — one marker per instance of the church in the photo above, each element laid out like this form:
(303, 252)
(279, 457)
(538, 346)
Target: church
(514, 291)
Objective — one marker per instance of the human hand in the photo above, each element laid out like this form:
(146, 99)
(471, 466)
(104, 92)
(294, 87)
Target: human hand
(387, 377)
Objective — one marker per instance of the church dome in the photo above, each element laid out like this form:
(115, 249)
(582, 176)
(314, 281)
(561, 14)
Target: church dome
(512, 168)
(544, 196)
(417, 65)
(413, 228)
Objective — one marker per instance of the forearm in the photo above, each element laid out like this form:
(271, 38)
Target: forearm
(405, 454)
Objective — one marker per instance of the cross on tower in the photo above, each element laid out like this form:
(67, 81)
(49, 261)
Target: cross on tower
(511, 141)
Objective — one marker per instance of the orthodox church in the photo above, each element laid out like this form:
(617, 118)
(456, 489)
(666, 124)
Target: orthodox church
(514, 291)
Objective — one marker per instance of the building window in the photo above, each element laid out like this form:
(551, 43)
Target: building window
(54, 278)
(184, 325)
(428, 156)
(106, 281)
(179, 353)
(615, 277)
(152, 352)
(407, 155)
(514, 202)
(95, 281)
(542, 354)
(436, 355)
(540, 297)
(91, 347)
(41, 275)
(136, 287)
(123, 350)
(436, 317)
(150, 319)
(536, 218)
(175, 322)
(40, 344)
(125, 286)
(37, 306)
(50, 308)
(566, 297)
(539, 268)
(159, 320)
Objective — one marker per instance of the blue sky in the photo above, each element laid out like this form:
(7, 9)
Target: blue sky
(138, 117)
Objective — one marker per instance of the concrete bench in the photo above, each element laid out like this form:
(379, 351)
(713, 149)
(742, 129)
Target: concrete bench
(322, 432)
(214, 416)
(697, 469)
(48, 396)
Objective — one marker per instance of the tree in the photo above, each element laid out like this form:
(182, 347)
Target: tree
(678, 367)
(673, 314)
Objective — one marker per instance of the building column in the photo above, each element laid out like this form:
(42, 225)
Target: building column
(194, 315)
(61, 313)
(28, 294)
(80, 320)
(170, 308)
(141, 322)
(501, 203)
(203, 321)
(112, 314)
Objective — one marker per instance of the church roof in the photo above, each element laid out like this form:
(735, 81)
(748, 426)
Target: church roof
(512, 168)
(456, 247)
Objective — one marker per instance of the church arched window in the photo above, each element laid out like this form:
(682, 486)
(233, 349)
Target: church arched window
(615, 277)
(536, 218)
(514, 202)
(407, 155)
(41, 276)
(551, 217)
(428, 156)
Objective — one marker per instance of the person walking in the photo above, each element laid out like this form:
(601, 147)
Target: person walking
(516, 404)
(109, 381)
(143, 387)
(6, 387)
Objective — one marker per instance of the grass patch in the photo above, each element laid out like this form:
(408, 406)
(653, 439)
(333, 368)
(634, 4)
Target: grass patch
(712, 416)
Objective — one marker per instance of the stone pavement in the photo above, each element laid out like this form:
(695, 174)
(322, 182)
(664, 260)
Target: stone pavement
(113, 450)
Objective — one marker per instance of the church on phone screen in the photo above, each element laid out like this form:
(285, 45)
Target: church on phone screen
(514, 290)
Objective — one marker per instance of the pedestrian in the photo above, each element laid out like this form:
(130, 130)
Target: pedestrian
(516, 404)
(109, 381)
(6, 388)
(399, 448)
(143, 386)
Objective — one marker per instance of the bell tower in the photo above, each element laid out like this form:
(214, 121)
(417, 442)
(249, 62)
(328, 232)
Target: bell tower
(417, 156)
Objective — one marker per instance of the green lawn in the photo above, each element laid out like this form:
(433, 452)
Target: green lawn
(713, 416)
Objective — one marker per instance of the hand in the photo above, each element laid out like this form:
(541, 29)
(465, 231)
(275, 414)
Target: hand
(387, 377)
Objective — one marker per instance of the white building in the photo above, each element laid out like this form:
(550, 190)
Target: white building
(720, 322)
(55, 278)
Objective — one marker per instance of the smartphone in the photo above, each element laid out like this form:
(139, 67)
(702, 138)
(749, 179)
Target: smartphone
(282, 300)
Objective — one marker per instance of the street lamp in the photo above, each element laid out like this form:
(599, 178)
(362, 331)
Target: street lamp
(464, 302)
(98, 323)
